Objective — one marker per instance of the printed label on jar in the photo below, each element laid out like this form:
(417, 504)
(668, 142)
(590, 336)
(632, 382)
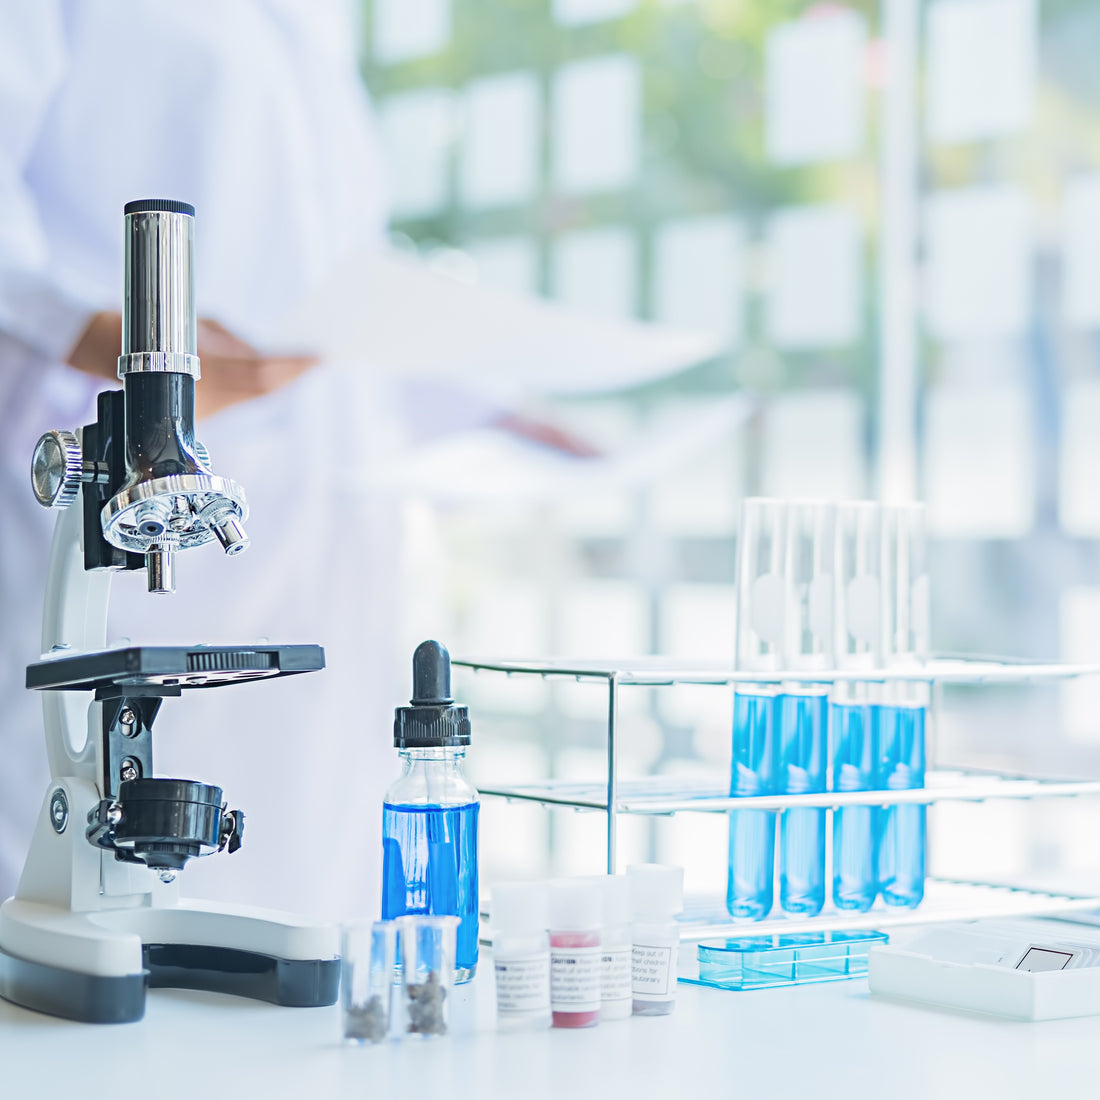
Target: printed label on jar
(652, 971)
(575, 979)
(523, 985)
(616, 974)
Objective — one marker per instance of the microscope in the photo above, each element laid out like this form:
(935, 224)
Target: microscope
(97, 917)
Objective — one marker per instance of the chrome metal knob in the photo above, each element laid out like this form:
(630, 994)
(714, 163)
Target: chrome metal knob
(57, 469)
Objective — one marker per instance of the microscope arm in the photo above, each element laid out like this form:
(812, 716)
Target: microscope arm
(74, 617)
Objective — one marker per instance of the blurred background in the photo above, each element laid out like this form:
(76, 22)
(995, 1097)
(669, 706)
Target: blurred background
(888, 216)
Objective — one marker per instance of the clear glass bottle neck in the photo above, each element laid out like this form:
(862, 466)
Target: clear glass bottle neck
(431, 776)
(436, 754)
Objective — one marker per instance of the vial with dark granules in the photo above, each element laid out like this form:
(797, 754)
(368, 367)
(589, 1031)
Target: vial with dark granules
(424, 1003)
(366, 1023)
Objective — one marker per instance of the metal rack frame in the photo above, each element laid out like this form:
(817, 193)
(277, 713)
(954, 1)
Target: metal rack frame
(652, 796)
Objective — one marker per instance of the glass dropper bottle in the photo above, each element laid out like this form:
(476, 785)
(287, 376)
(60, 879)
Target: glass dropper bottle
(429, 814)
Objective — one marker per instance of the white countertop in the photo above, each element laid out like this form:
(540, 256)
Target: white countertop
(817, 1041)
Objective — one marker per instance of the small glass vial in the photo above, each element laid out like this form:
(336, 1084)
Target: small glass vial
(368, 962)
(427, 962)
(656, 897)
(429, 815)
(616, 948)
(521, 954)
(575, 959)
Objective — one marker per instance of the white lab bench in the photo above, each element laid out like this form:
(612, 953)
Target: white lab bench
(815, 1041)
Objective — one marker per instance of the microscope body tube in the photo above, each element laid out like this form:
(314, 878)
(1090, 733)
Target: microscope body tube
(169, 499)
(159, 362)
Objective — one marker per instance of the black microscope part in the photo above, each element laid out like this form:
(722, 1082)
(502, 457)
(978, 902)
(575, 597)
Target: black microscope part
(172, 668)
(153, 206)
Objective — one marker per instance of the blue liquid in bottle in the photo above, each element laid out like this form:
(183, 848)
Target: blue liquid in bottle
(749, 890)
(901, 829)
(855, 880)
(429, 866)
(802, 742)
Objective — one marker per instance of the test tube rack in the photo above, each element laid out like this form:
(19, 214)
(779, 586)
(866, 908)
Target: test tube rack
(705, 918)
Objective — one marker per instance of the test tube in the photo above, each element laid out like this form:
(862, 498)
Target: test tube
(852, 719)
(900, 749)
(760, 620)
(368, 964)
(427, 952)
(803, 707)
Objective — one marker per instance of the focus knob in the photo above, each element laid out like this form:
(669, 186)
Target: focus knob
(57, 469)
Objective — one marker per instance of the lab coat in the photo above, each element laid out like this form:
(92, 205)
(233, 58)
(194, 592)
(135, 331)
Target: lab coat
(254, 112)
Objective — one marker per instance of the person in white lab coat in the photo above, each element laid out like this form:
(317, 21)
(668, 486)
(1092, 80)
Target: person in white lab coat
(252, 111)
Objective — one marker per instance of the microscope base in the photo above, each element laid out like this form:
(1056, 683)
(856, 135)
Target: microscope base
(128, 950)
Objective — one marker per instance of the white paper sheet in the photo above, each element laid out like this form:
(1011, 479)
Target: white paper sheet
(387, 312)
(418, 131)
(815, 277)
(699, 275)
(814, 91)
(596, 123)
(1079, 459)
(979, 461)
(979, 279)
(500, 140)
(1081, 251)
(595, 271)
(813, 445)
(407, 29)
(506, 263)
(981, 68)
(491, 465)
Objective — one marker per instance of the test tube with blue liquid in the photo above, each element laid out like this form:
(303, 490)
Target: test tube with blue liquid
(853, 708)
(802, 707)
(902, 718)
(760, 621)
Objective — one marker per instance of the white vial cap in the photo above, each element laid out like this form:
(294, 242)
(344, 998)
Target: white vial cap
(576, 905)
(519, 908)
(656, 891)
(615, 895)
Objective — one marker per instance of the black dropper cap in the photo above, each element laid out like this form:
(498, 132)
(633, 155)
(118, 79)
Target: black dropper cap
(433, 720)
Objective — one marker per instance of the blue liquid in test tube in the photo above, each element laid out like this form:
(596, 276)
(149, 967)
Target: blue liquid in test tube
(802, 741)
(901, 829)
(749, 890)
(855, 880)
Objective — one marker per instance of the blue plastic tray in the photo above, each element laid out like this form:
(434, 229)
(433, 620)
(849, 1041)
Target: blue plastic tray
(759, 962)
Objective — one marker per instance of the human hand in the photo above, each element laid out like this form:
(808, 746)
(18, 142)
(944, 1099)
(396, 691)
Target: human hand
(232, 369)
(539, 431)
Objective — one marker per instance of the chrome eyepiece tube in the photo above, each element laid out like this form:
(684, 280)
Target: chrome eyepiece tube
(170, 499)
(159, 326)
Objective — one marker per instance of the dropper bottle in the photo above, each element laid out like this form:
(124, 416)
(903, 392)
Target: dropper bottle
(429, 815)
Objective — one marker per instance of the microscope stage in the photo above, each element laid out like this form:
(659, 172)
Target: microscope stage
(173, 667)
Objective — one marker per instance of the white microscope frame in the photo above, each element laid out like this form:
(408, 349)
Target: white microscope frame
(77, 908)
